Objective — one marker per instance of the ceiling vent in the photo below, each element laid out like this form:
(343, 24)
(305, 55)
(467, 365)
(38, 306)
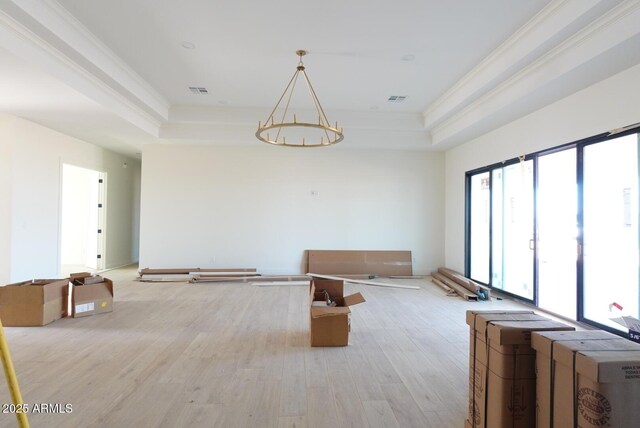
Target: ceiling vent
(397, 98)
(198, 90)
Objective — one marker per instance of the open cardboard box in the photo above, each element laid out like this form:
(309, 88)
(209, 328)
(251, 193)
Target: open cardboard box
(329, 325)
(89, 297)
(34, 303)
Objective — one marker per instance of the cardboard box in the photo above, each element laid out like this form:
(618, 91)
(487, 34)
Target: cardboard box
(502, 369)
(607, 389)
(34, 303)
(91, 298)
(329, 325)
(562, 378)
(477, 321)
(348, 262)
(543, 343)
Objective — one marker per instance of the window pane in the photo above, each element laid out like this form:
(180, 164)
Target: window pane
(480, 197)
(611, 229)
(557, 232)
(512, 260)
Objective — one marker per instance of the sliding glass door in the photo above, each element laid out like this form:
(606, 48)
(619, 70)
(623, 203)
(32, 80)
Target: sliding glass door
(611, 240)
(560, 228)
(556, 214)
(480, 197)
(512, 251)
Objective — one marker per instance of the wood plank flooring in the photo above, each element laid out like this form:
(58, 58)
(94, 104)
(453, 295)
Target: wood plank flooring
(237, 355)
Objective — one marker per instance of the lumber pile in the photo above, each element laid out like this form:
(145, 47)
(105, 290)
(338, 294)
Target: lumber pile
(187, 274)
(452, 281)
(363, 282)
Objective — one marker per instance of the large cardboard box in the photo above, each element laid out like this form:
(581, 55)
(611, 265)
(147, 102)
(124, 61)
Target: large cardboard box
(330, 325)
(566, 391)
(543, 342)
(477, 321)
(89, 297)
(34, 303)
(502, 374)
(607, 389)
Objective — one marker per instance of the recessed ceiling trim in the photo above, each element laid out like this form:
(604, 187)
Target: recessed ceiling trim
(53, 16)
(26, 44)
(611, 29)
(552, 19)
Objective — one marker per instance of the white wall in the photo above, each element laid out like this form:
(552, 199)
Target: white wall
(609, 104)
(34, 156)
(5, 208)
(254, 207)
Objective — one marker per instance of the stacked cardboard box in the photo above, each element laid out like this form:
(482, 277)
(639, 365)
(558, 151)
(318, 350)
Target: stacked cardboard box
(587, 379)
(329, 312)
(34, 303)
(502, 377)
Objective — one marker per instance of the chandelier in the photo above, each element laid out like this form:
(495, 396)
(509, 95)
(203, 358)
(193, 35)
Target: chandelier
(310, 132)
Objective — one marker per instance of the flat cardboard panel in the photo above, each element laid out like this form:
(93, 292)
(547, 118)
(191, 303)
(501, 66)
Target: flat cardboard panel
(351, 262)
(353, 299)
(33, 303)
(91, 299)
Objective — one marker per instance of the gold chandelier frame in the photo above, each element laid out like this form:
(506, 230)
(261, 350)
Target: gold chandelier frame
(333, 134)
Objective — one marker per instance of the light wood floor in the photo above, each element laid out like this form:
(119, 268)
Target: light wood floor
(237, 355)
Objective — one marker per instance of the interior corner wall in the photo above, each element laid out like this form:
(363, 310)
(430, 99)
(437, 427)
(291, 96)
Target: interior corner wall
(609, 104)
(32, 158)
(5, 208)
(263, 206)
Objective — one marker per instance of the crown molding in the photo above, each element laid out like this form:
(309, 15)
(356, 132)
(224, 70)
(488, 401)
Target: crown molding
(612, 28)
(53, 16)
(552, 19)
(21, 36)
(237, 126)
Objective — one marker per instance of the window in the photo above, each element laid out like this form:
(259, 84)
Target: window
(559, 228)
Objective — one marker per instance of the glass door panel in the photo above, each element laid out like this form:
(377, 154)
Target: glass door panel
(479, 239)
(512, 221)
(610, 251)
(557, 209)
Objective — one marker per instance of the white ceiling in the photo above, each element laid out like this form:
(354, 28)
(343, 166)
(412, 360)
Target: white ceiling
(115, 73)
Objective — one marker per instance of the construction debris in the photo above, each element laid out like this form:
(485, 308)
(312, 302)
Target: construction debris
(251, 279)
(186, 274)
(359, 281)
(464, 287)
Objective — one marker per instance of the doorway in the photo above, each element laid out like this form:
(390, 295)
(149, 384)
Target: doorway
(82, 225)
